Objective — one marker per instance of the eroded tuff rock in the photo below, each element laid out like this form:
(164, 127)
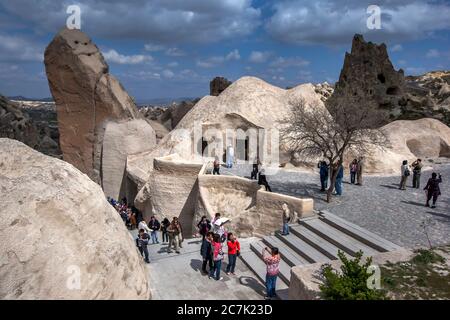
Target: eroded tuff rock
(56, 224)
(218, 85)
(173, 115)
(17, 124)
(369, 77)
(86, 98)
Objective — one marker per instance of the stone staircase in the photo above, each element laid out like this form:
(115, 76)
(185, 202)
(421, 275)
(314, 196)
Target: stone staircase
(312, 240)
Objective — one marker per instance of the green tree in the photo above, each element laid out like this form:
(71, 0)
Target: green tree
(351, 282)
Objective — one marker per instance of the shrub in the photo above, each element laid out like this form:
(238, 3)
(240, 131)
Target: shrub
(351, 282)
(425, 256)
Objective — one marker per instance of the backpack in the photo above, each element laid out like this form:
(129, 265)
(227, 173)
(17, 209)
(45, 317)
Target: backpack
(407, 172)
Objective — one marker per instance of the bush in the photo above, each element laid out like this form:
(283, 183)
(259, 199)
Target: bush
(351, 282)
(425, 256)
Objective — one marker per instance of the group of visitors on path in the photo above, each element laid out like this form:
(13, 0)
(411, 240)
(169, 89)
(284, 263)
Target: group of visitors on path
(215, 238)
(356, 170)
(432, 189)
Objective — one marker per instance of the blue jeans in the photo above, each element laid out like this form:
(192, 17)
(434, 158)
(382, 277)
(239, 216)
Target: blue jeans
(154, 235)
(271, 282)
(323, 182)
(352, 177)
(216, 270)
(286, 228)
(231, 263)
(338, 186)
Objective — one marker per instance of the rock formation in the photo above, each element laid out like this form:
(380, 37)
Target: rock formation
(369, 77)
(173, 115)
(218, 85)
(60, 238)
(17, 124)
(86, 97)
(121, 140)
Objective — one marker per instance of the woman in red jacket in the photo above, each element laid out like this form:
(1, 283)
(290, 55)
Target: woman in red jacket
(233, 252)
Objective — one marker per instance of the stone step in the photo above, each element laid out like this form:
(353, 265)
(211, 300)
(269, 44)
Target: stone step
(363, 235)
(254, 263)
(316, 241)
(341, 240)
(302, 248)
(285, 269)
(291, 257)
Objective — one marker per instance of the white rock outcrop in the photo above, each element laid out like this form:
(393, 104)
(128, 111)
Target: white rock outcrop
(59, 237)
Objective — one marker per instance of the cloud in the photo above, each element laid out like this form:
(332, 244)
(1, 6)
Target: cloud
(173, 64)
(334, 23)
(175, 52)
(218, 60)
(158, 21)
(259, 56)
(233, 55)
(154, 47)
(17, 48)
(396, 48)
(168, 74)
(115, 57)
(281, 62)
(433, 53)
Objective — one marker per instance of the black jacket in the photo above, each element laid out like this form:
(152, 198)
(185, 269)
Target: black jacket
(206, 250)
(154, 225)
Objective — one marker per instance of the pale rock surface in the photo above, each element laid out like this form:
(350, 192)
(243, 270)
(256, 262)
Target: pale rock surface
(55, 221)
(86, 98)
(120, 140)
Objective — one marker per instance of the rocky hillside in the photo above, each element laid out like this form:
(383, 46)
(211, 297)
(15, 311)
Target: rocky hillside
(16, 123)
(369, 77)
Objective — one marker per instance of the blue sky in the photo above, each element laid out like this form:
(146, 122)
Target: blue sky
(173, 48)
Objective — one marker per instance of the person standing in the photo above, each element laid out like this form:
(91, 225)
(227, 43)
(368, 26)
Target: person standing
(230, 156)
(216, 168)
(206, 251)
(204, 226)
(164, 225)
(217, 258)
(255, 170)
(417, 171)
(263, 180)
(234, 249)
(339, 177)
(143, 225)
(154, 225)
(433, 190)
(175, 235)
(405, 173)
(286, 218)
(272, 260)
(142, 242)
(353, 171)
(323, 171)
(360, 171)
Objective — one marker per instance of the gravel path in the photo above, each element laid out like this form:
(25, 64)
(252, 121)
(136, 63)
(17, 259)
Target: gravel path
(378, 205)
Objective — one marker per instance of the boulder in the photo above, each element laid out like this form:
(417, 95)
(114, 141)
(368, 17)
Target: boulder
(59, 237)
(86, 98)
(121, 140)
(218, 85)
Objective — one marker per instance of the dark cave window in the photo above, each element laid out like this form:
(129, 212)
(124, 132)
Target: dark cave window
(381, 78)
(392, 91)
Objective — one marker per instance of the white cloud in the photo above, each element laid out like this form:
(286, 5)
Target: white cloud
(173, 64)
(16, 48)
(168, 74)
(158, 21)
(218, 60)
(333, 22)
(433, 53)
(396, 48)
(175, 52)
(115, 57)
(281, 62)
(259, 56)
(233, 55)
(154, 47)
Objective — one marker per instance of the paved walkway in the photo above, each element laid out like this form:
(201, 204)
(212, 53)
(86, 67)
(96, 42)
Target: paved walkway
(178, 277)
(378, 205)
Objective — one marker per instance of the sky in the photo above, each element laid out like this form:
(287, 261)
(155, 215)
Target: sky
(173, 48)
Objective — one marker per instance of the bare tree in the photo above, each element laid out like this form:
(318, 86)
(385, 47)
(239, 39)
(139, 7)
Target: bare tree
(313, 131)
